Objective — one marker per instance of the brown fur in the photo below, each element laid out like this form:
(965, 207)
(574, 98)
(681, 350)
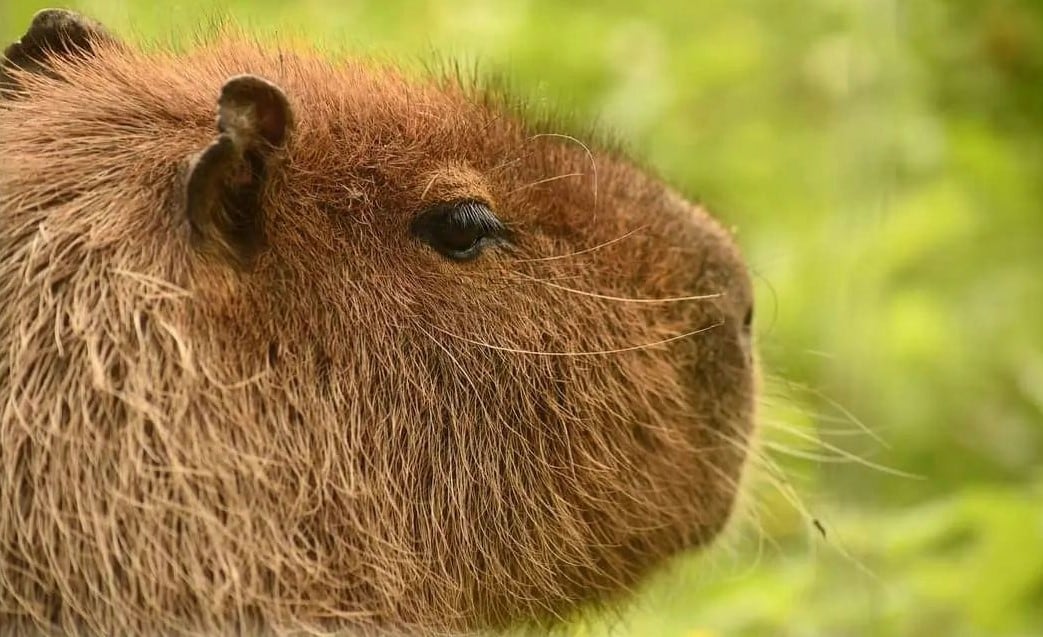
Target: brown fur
(356, 433)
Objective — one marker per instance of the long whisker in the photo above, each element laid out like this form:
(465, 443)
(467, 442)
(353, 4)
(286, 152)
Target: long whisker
(773, 472)
(590, 156)
(805, 455)
(835, 405)
(605, 352)
(510, 162)
(830, 431)
(544, 181)
(584, 251)
(785, 402)
(777, 477)
(843, 454)
(622, 299)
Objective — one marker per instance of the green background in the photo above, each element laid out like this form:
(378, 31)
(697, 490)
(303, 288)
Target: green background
(882, 162)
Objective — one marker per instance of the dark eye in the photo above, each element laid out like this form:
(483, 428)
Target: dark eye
(459, 230)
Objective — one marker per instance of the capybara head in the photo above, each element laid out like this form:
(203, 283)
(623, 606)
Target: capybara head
(369, 352)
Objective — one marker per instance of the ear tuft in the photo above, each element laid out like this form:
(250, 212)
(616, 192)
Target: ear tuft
(52, 32)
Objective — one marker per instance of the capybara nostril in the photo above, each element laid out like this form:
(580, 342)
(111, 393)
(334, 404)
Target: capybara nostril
(318, 346)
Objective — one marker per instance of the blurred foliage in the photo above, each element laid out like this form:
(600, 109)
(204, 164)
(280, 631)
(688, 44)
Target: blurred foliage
(882, 163)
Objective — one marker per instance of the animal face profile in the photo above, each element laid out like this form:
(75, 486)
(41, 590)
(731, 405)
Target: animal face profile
(301, 345)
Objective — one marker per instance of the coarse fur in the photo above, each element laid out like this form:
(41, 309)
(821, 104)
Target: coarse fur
(350, 432)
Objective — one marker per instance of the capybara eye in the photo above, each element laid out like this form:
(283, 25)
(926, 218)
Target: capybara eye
(747, 321)
(459, 230)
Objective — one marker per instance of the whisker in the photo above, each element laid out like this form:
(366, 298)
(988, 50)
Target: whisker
(844, 456)
(510, 162)
(805, 455)
(776, 476)
(846, 413)
(772, 472)
(590, 156)
(505, 164)
(784, 401)
(605, 352)
(622, 299)
(584, 251)
(544, 181)
(770, 327)
(830, 431)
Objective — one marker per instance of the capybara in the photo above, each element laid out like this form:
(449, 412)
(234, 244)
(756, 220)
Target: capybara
(370, 352)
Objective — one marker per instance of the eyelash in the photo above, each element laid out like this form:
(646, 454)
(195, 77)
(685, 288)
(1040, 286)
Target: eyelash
(459, 230)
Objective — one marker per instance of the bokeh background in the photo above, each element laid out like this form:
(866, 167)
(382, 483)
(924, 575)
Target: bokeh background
(882, 163)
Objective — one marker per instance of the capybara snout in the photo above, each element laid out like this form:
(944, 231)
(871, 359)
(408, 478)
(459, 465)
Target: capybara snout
(301, 345)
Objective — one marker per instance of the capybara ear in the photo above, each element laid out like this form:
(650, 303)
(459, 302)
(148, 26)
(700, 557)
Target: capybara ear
(224, 190)
(52, 33)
